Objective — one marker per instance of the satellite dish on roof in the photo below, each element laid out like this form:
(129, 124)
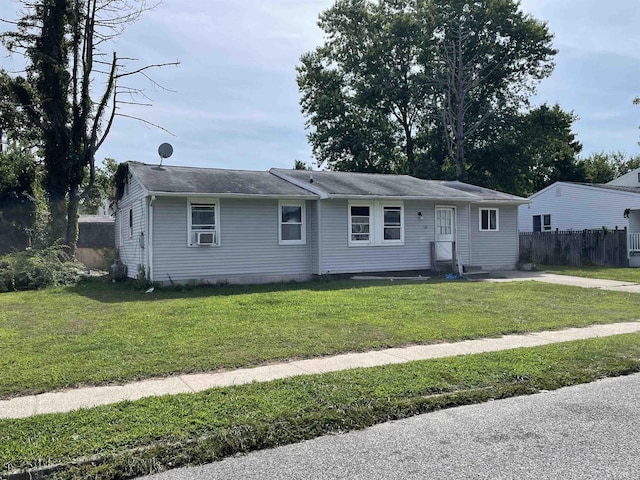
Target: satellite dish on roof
(165, 151)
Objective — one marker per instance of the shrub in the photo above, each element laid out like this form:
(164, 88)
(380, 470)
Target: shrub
(38, 268)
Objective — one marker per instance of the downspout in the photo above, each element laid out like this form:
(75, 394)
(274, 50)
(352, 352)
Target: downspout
(469, 233)
(150, 237)
(319, 236)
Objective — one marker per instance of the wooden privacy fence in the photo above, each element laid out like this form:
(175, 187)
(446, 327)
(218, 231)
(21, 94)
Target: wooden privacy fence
(602, 247)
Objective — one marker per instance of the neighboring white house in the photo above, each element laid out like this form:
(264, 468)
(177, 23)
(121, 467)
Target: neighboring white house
(180, 224)
(579, 206)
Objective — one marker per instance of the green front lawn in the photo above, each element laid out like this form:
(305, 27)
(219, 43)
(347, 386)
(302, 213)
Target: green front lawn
(98, 332)
(134, 438)
(607, 273)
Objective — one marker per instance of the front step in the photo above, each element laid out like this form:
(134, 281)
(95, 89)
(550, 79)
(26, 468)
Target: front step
(474, 272)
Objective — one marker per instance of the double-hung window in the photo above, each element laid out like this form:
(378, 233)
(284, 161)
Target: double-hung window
(376, 223)
(489, 220)
(291, 223)
(360, 224)
(203, 224)
(392, 228)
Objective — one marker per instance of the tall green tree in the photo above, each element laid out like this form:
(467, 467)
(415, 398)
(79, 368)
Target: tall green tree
(365, 91)
(72, 91)
(490, 56)
(394, 75)
(536, 149)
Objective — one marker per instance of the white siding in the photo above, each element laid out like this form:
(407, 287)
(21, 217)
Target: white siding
(495, 249)
(129, 248)
(578, 207)
(338, 257)
(248, 250)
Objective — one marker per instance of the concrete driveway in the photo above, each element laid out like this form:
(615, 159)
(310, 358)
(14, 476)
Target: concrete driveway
(516, 275)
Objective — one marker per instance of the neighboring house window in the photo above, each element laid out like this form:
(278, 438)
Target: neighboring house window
(542, 223)
(291, 218)
(376, 223)
(488, 219)
(203, 223)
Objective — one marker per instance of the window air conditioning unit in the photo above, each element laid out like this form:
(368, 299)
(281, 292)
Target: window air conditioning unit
(205, 238)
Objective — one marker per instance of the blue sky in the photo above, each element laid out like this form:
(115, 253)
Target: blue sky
(235, 99)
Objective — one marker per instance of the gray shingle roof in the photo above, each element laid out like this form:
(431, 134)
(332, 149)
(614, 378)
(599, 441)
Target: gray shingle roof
(306, 184)
(483, 194)
(350, 184)
(190, 180)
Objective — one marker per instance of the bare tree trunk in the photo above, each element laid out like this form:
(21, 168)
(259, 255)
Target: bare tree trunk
(58, 220)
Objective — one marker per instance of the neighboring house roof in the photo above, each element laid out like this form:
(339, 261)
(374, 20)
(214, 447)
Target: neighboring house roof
(95, 219)
(629, 179)
(600, 186)
(213, 181)
(361, 185)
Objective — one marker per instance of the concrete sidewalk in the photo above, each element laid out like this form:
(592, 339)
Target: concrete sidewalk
(64, 401)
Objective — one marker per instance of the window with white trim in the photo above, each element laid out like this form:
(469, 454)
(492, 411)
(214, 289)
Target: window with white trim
(203, 223)
(376, 223)
(291, 223)
(489, 220)
(360, 224)
(392, 223)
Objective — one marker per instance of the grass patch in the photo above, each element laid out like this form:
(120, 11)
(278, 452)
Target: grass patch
(94, 333)
(607, 273)
(134, 438)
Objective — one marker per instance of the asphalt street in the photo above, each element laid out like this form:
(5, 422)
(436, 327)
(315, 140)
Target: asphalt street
(584, 432)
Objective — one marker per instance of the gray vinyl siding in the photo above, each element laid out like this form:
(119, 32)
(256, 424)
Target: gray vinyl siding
(249, 246)
(338, 257)
(129, 249)
(495, 249)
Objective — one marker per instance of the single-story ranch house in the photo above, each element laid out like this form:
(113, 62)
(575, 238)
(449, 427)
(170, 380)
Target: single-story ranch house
(181, 224)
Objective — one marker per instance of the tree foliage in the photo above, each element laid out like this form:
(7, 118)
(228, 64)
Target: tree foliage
(602, 167)
(19, 198)
(411, 85)
(72, 91)
(103, 188)
(536, 149)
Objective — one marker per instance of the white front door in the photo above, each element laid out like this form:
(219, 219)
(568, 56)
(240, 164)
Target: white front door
(445, 231)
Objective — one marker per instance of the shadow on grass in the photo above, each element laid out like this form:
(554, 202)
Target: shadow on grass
(103, 290)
